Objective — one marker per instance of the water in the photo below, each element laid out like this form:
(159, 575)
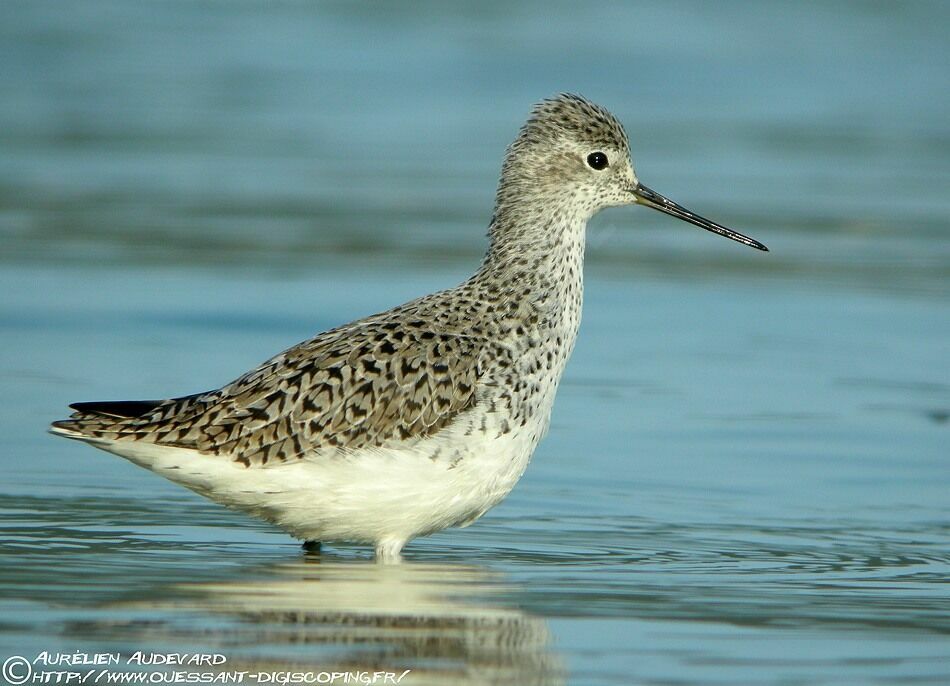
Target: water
(746, 477)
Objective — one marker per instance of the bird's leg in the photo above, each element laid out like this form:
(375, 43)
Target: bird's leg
(388, 550)
(311, 547)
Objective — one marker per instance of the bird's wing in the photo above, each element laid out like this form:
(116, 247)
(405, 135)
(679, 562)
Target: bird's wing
(373, 384)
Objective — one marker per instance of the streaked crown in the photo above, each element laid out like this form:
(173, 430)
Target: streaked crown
(569, 116)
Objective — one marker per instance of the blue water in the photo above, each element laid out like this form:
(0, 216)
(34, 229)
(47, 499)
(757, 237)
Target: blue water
(747, 472)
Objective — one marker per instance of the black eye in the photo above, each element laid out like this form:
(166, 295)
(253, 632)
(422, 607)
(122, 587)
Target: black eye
(597, 160)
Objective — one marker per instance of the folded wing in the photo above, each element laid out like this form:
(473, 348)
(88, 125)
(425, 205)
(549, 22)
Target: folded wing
(374, 384)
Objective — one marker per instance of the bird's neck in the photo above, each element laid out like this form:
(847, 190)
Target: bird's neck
(535, 258)
(536, 240)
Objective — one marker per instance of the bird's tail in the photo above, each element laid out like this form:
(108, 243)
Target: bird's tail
(102, 421)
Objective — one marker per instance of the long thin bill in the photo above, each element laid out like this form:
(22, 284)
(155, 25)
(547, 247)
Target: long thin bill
(650, 198)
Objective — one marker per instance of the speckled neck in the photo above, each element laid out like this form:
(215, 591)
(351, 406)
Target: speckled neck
(535, 258)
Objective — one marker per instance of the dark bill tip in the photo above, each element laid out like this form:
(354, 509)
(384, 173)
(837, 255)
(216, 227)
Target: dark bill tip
(651, 198)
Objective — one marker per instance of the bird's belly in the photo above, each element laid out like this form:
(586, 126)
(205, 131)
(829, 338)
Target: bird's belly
(363, 496)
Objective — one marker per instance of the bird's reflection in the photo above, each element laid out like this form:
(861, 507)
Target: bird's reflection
(446, 623)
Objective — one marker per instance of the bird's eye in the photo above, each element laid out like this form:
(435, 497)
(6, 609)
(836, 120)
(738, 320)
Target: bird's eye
(597, 160)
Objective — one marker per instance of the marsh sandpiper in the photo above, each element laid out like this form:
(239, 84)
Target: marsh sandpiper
(424, 416)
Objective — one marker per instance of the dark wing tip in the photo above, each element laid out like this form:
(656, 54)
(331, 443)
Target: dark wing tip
(118, 408)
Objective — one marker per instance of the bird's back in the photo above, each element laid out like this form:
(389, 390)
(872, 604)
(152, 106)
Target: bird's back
(388, 379)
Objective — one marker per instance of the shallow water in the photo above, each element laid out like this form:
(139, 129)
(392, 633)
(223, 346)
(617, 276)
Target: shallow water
(746, 476)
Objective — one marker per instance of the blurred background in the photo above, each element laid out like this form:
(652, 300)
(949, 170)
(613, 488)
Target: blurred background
(747, 473)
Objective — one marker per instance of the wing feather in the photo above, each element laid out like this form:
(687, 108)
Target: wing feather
(371, 384)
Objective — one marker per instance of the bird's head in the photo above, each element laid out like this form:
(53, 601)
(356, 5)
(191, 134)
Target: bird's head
(572, 153)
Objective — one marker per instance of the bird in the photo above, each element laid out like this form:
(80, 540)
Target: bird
(425, 416)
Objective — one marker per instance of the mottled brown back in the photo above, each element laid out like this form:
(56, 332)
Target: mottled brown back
(374, 383)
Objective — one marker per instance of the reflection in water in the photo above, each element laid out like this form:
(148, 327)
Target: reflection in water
(437, 620)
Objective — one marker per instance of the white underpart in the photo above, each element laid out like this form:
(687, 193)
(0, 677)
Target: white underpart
(383, 497)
